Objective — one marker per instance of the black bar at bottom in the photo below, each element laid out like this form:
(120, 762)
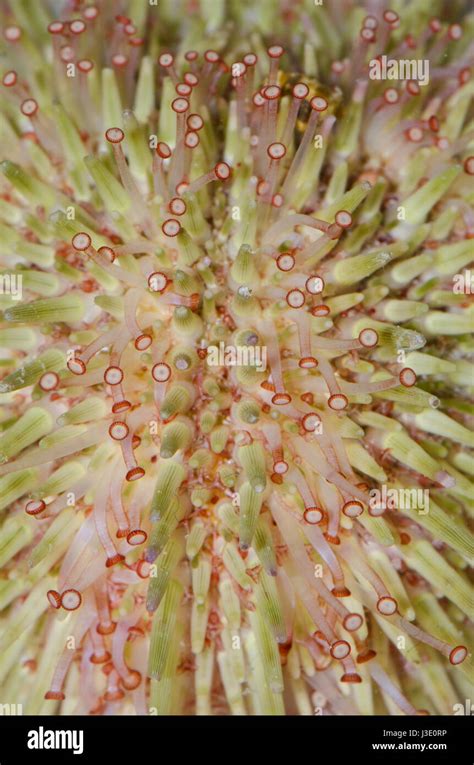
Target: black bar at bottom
(150, 739)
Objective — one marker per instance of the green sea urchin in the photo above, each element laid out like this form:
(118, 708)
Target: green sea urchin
(235, 335)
